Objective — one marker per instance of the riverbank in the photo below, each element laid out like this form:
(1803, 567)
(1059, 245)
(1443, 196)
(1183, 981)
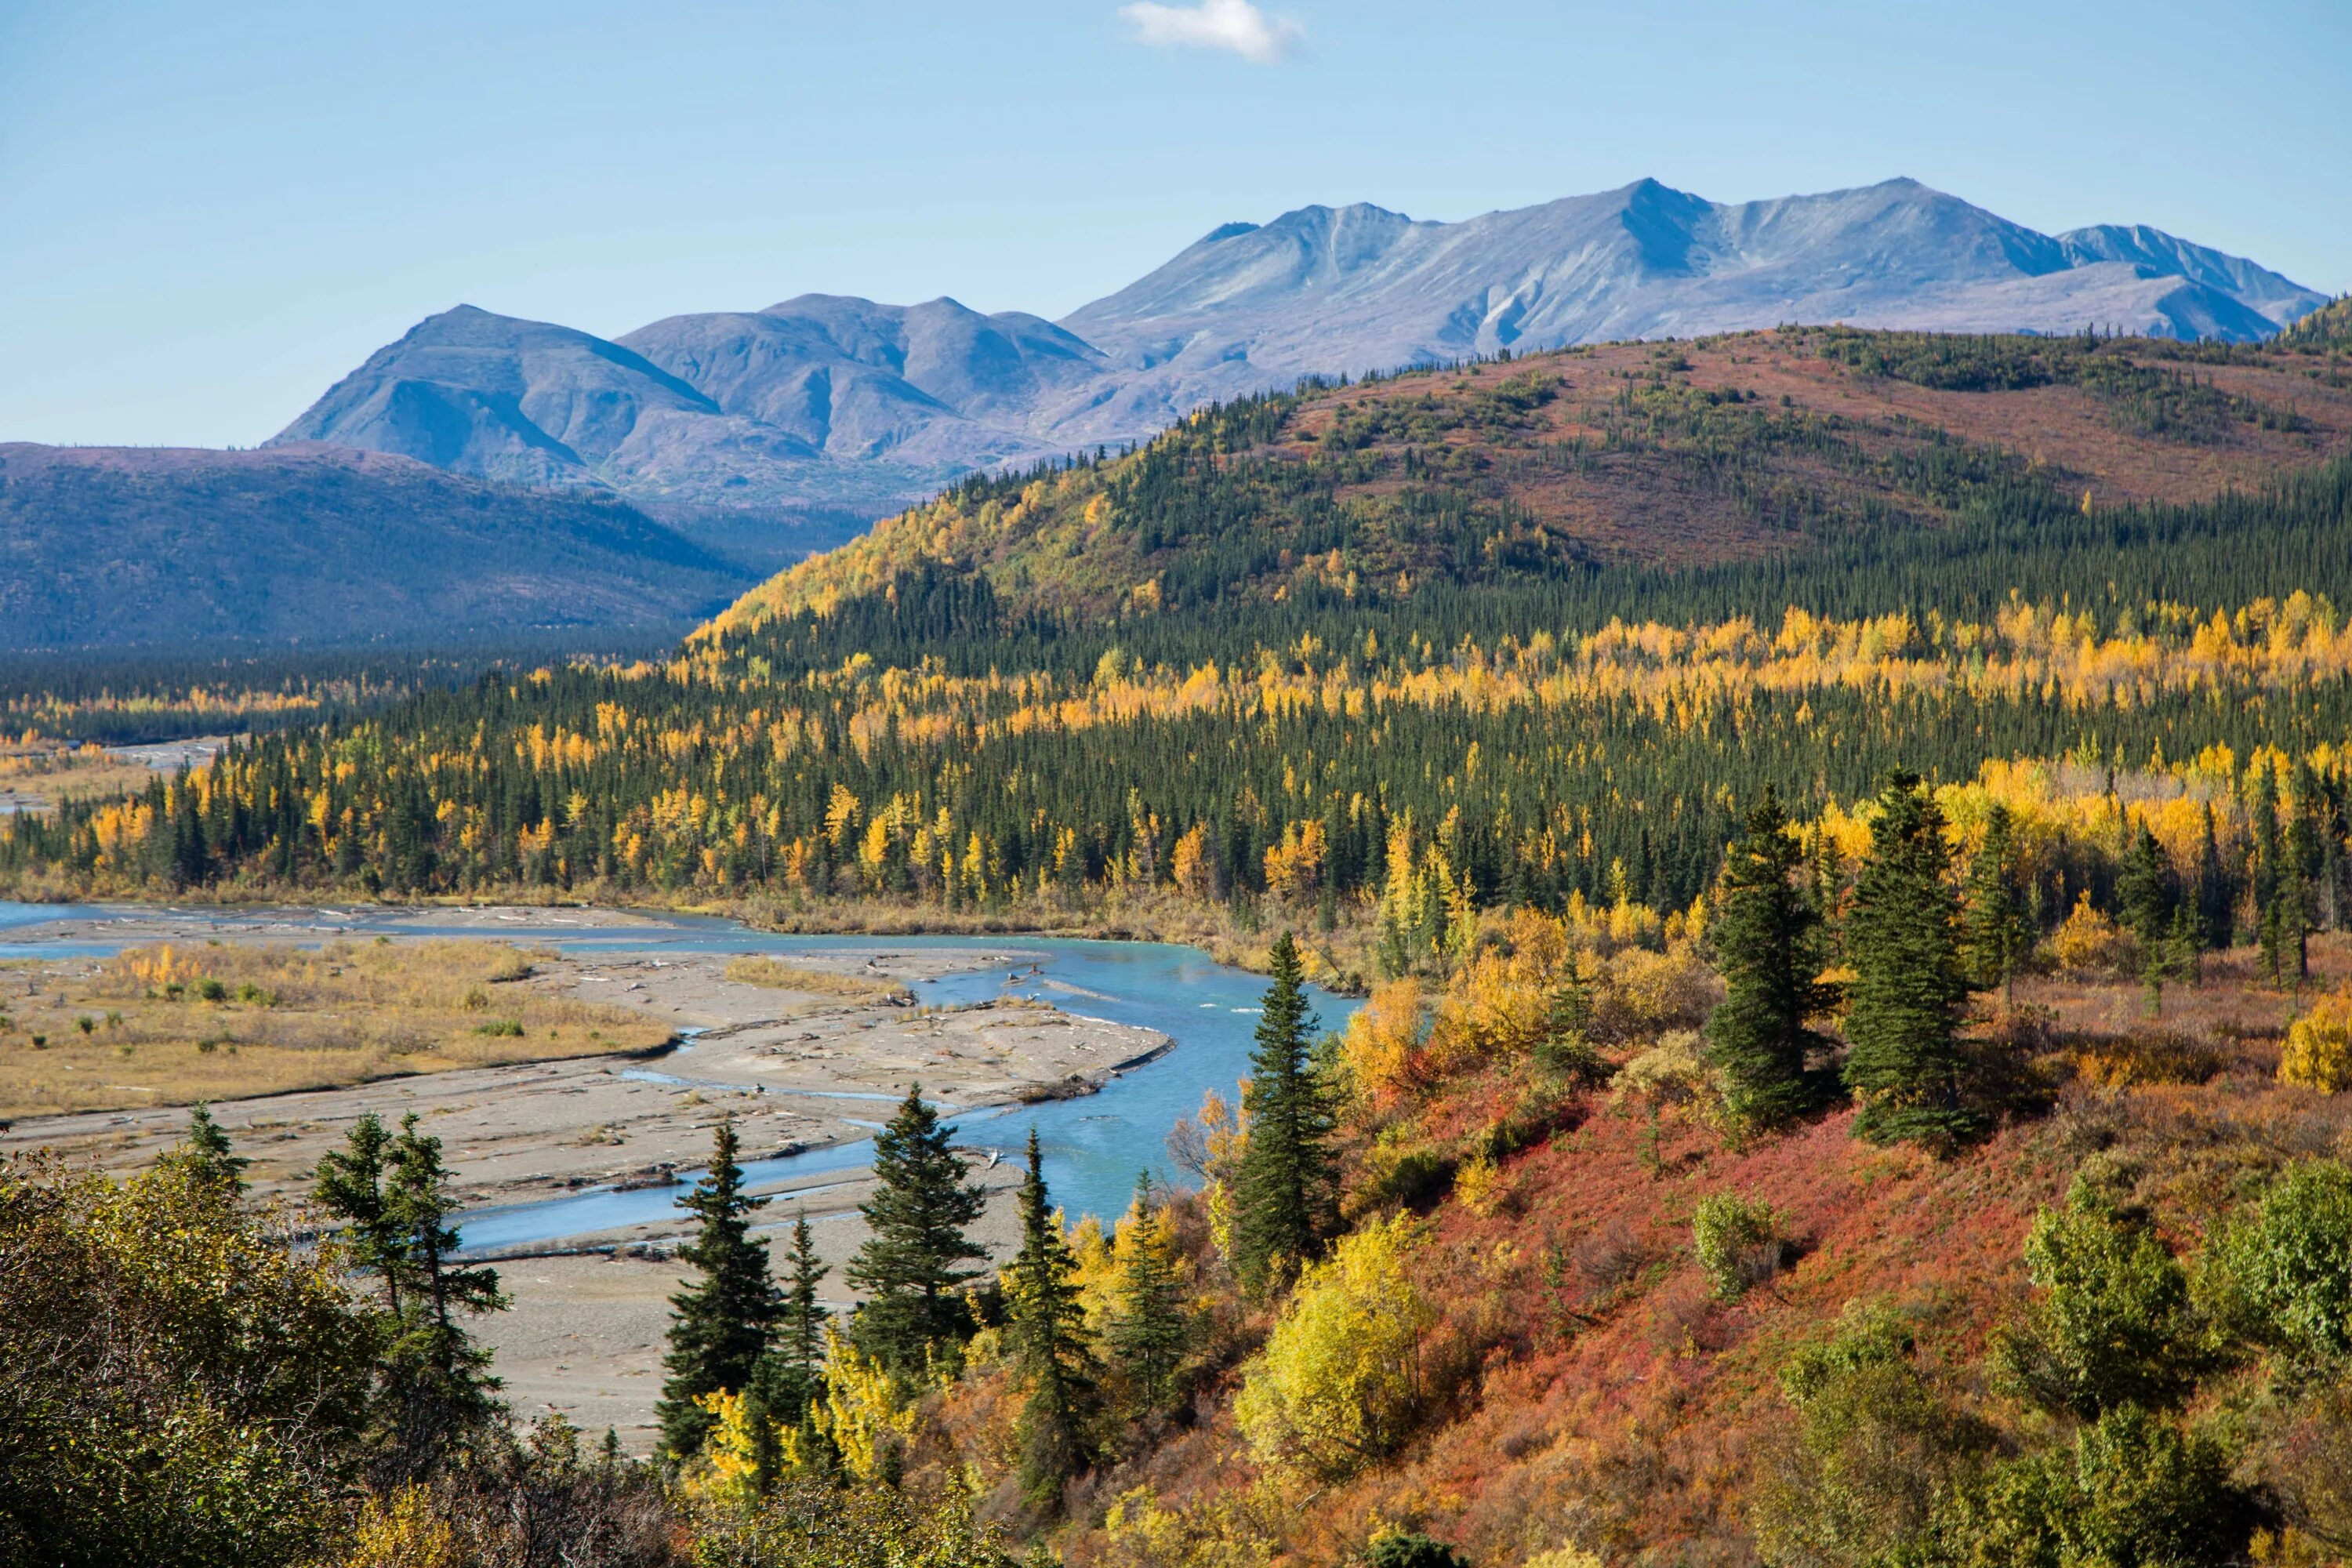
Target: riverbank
(797, 1068)
(810, 1069)
(172, 1020)
(1338, 960)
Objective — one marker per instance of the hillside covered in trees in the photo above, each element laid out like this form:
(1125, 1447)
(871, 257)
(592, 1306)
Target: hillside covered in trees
(122, 548)
(1519, 634)
(1846, 837)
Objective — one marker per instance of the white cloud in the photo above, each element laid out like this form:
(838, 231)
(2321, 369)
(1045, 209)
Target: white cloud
(1233, 25)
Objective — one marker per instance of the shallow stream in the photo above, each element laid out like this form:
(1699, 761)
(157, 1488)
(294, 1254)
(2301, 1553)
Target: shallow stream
(1093, 1146)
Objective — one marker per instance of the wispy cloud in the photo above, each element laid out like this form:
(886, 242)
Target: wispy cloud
(1234, 26)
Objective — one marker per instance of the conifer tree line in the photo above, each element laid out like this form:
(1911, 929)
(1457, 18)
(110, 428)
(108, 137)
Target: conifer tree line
(807, 755)
(1534, 803)
(733, 1332)
(753, 1353)
(1917, 938)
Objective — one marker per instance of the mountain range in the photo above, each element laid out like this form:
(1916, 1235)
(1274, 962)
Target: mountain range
(146, 547)
(486, 476)
(825, 406)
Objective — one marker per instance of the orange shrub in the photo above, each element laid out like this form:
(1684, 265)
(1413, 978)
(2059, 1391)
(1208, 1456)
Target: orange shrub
(1378, 1048)
(1641, 995)
(2319, 1053)
(2154, 1057)
(2090, 942)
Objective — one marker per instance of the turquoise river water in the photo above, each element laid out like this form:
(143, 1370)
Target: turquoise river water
(1093, 1147)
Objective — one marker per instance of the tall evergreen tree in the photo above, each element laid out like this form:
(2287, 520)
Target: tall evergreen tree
(2187, 955)
(1148, 1331)
(910, 1264)
(2305, 863)
(1822, 875)
(800, 1339)
(207, 1156)
(1997, 933)
(1051, 1348)
(1906, 1066)
(439, 1381)
(2150, 898)
(350, 1187)
(1768, 939)
(2269, 927)
(1286, 1193)
(790, 1379)
(2217, 892)
(720, 1323)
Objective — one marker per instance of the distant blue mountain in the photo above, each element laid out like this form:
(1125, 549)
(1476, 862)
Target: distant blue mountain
(828, 403)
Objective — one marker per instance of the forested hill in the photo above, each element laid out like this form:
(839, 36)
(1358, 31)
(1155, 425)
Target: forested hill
(1958, 730)
(2325, 329)
(1300, 645)
(120, 547)
(1627, 479)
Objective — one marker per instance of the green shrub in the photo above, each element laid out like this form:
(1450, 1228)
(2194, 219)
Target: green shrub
(1410, 1549)
(2133, 1489)
(2284, 1280)
(1876, 1453)
(185, 1386)
(1411, 1175)
(1527, 1123)
(210, 990)
(509, 1028)
(1737, 1243)
(2113, 1325)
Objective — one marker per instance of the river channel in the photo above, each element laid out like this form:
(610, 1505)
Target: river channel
(1093, 1146)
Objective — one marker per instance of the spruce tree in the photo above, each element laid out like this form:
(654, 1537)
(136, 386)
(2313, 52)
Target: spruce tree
(909, 1265)
(1148, 1331)
(1566, 1049)
(2217, 892)
(1050, 1346)
(1997, 933)
(2269, 928)
(1286, 1193)
(790, 1379)
(1768, 939)
(350, 1187)
(1906, 1066)
(800, 1333)
(2145, 888)
(1822, 872)
(2298, 897)
(439, 1382)
(719, 1323)
(207, 1156)
(2150, 899)
(2187, 955)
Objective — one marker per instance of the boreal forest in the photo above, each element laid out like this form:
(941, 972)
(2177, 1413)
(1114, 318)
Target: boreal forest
(1845, 841)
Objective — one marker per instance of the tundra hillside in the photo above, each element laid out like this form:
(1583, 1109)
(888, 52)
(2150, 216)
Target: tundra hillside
(1846, 837)
(1512, 635)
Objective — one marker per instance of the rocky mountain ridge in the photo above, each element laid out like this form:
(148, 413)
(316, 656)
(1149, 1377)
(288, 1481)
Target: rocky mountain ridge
(831, 402)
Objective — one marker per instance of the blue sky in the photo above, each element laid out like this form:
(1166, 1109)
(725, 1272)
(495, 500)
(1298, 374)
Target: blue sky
(208, 212)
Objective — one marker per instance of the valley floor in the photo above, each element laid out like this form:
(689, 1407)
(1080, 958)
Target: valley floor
(797, 1070)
